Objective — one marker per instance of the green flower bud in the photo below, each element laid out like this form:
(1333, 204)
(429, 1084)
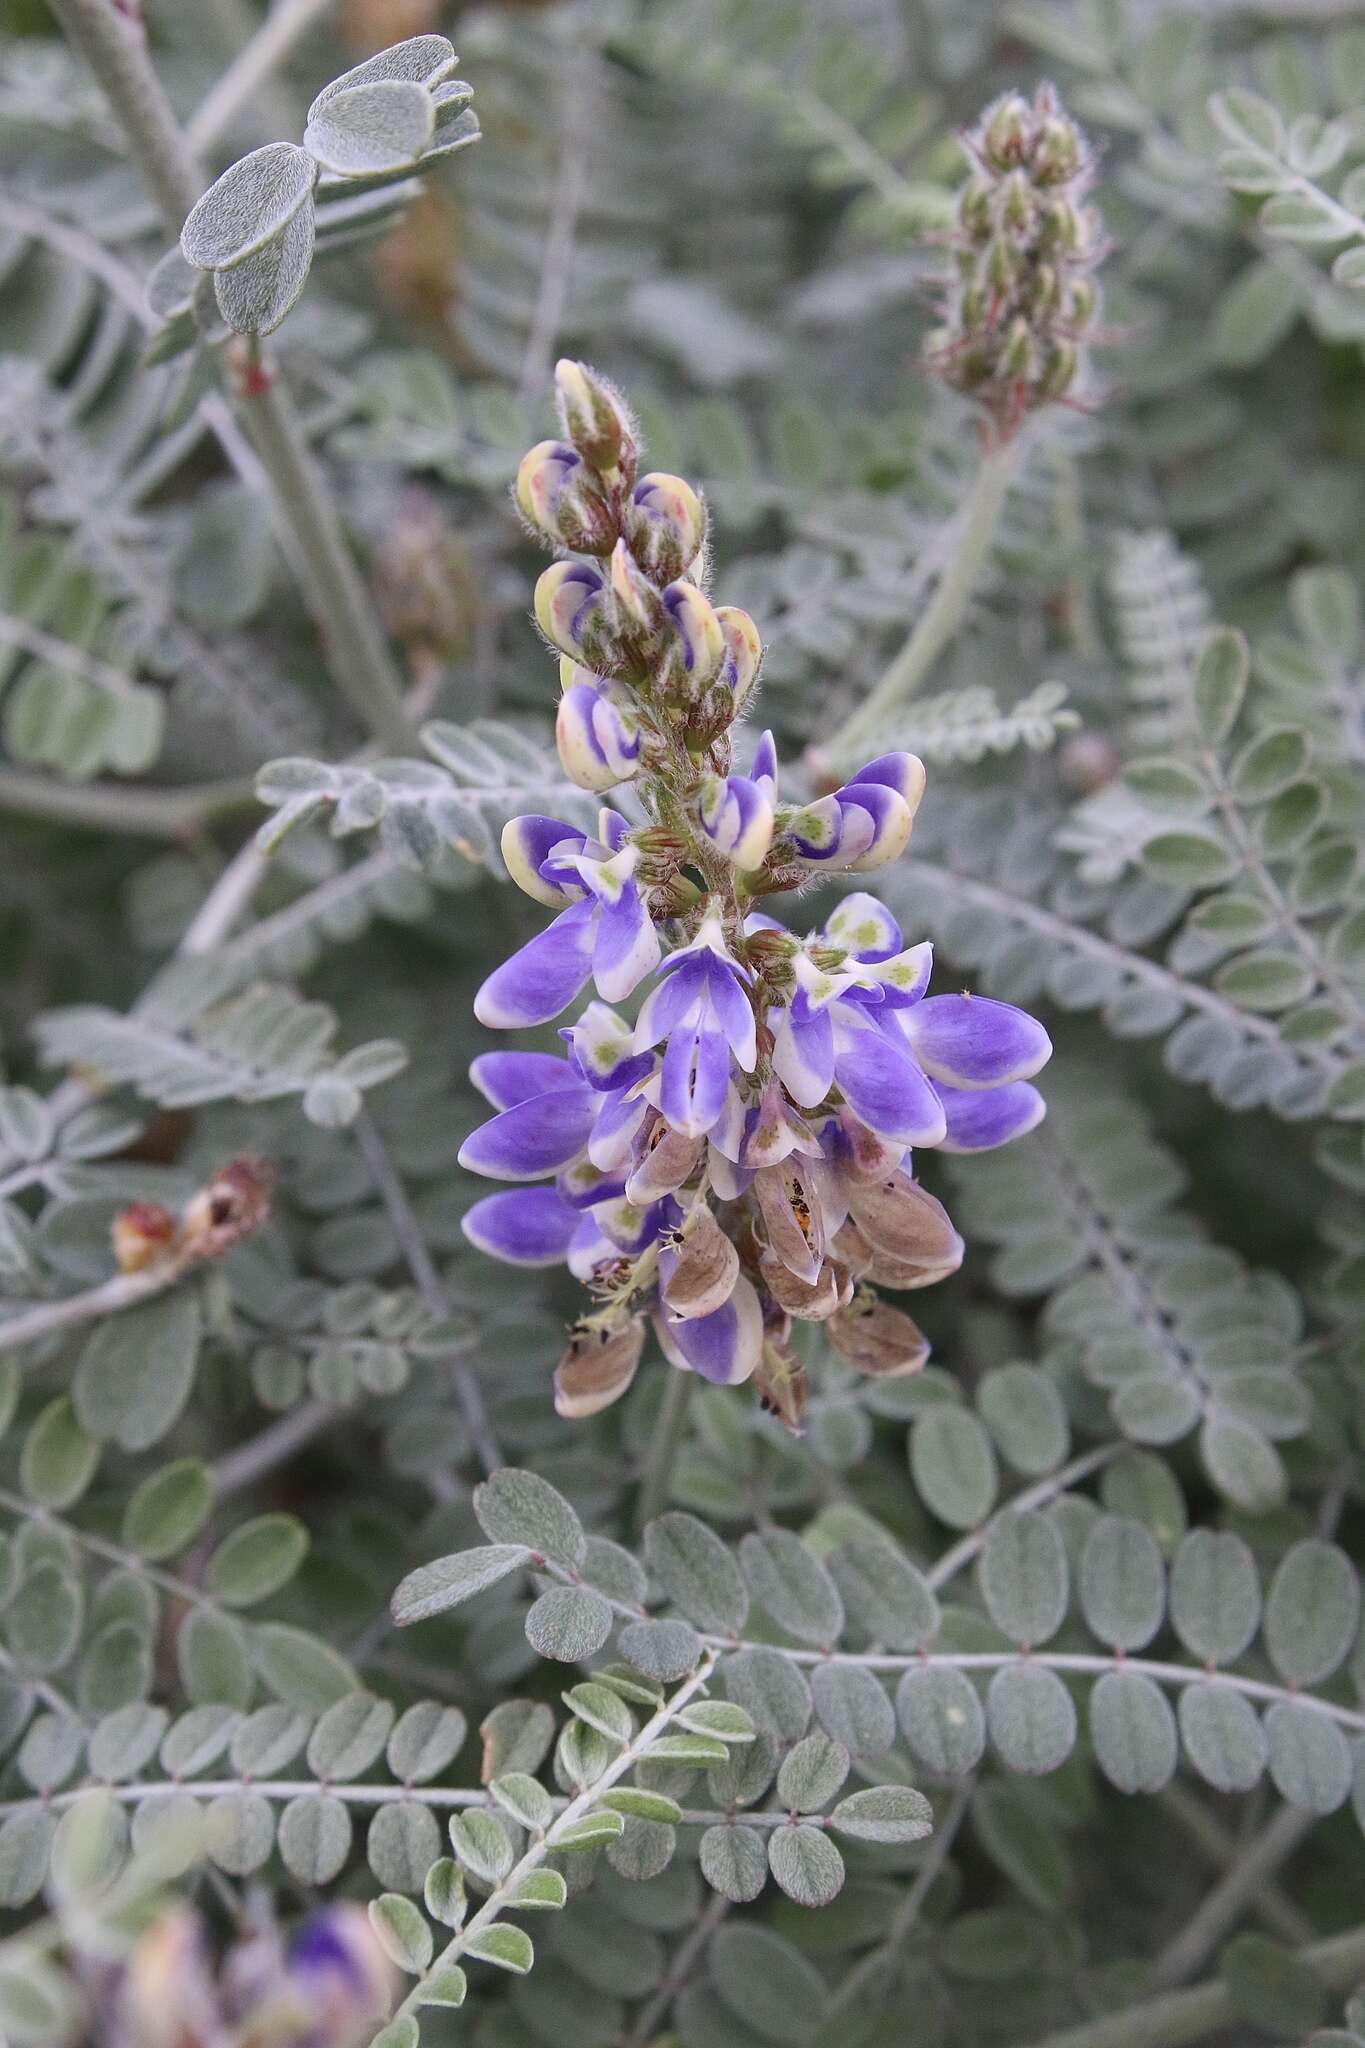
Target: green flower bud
(596, 419)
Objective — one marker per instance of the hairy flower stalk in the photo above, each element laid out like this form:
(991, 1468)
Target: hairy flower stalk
(738, 1155)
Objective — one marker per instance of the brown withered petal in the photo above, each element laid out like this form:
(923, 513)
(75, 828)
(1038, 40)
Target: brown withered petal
(875, 1338)
(904, 1274)
(812, 1303)
(596, 1368)
(700, 1276)
(903, 1220)
(791, 1217)
(670, 1159)
(780, 1383)
(853, 1248)
(868, 1157)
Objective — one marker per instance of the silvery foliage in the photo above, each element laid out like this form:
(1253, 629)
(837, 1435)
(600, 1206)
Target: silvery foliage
(1009, 1664)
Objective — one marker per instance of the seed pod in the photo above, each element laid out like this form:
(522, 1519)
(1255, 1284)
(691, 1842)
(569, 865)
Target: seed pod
(877, 1339)
(699, 1276)
(597, 1367)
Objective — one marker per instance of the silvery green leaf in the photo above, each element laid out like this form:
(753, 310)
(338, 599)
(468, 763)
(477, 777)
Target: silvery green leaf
(1244, 1466)
(687, 1749)
(268, 1741)
(1133, 1730)
(639, 1805)
(1304, 217)
(443, 1892)
(43, 1621)
(517, 1736)
(953, 1465)
(239, 1832)
(424, 1740)
(662, 1650)
(812, 1774)
(884, 1813)
(257, 1559)
(196, 1741)
(384, 125)
(539, 1891)
(1031, 1718)
(766, 1983)
(1248, 121)
(251, 203)
(26, 1124)
(805, 1864)
(716, 1717)
(525, 1798)
(135, 1372)
(403, 1934)
(425, 60)
(255, 296)
(299, 1667)
(508, 1948)
(212, 1654)
(521, 1507)
(772, 1690)
(171, 284)
(332, 1102)
(942, 1720)
(592, 1831)
(734, 1862)
(1310, 1762)
(883, 1593)
(1024, 1578)
(349, 1736)
(25, 1843)
(59, 1457)
(433, 1588)
(1024, 1413)
(853, 1708)
(697, 1572)
(1312, 1611)
(169, 1508)
(602, 1709)
(1122, 1583)
(1215, 1595)
(790, 1582)
(315, 1837)
(446, 1986)
(482, 1844)
(1219, 685)
(123, 1743)
(400, 2033)
(402, 1844)
(568, 1623)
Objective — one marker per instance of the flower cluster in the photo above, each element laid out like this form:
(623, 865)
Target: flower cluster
(1024, 246)
(328, 1988)
(739, 1152)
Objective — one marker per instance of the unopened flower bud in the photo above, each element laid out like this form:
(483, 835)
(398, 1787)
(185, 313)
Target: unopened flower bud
(574, 611)
(598, 743)
(1016, 202)
(974, 211)
(1006, 132)
(1059, 374)
(597, 1367)
(1016, 358)
(877, 1339)
(743, 653)
(143, 1233)
(639, 601)
(665, 525)
(596, 419)
(559, 496)
(699, 641)
(1056, 153)
(737, 819)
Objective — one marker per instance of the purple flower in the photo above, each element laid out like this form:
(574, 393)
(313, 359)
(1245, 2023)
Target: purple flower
(701, 1007)
(598, 740)
(737, 818)
(605, 934)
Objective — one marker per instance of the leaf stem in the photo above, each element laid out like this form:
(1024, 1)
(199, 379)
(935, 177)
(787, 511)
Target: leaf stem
(1180, 2017)
(664, 1445)
(1223, 1906)
(269, 48)
(941, 617)
(305, 514)
(542, 1846)
(155, 813)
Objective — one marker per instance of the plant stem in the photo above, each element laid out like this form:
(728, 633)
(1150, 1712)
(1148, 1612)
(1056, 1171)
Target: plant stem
(962, 1552)
(1224, 1905)
(430, 1285)
(124, 1290)
(242, 1467)
(110, 807)
(305, 515)
(286, 22)
(1179, 2017)
(1220, 1847)
(941, 617)
(663, 1445)
(542, 1846)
